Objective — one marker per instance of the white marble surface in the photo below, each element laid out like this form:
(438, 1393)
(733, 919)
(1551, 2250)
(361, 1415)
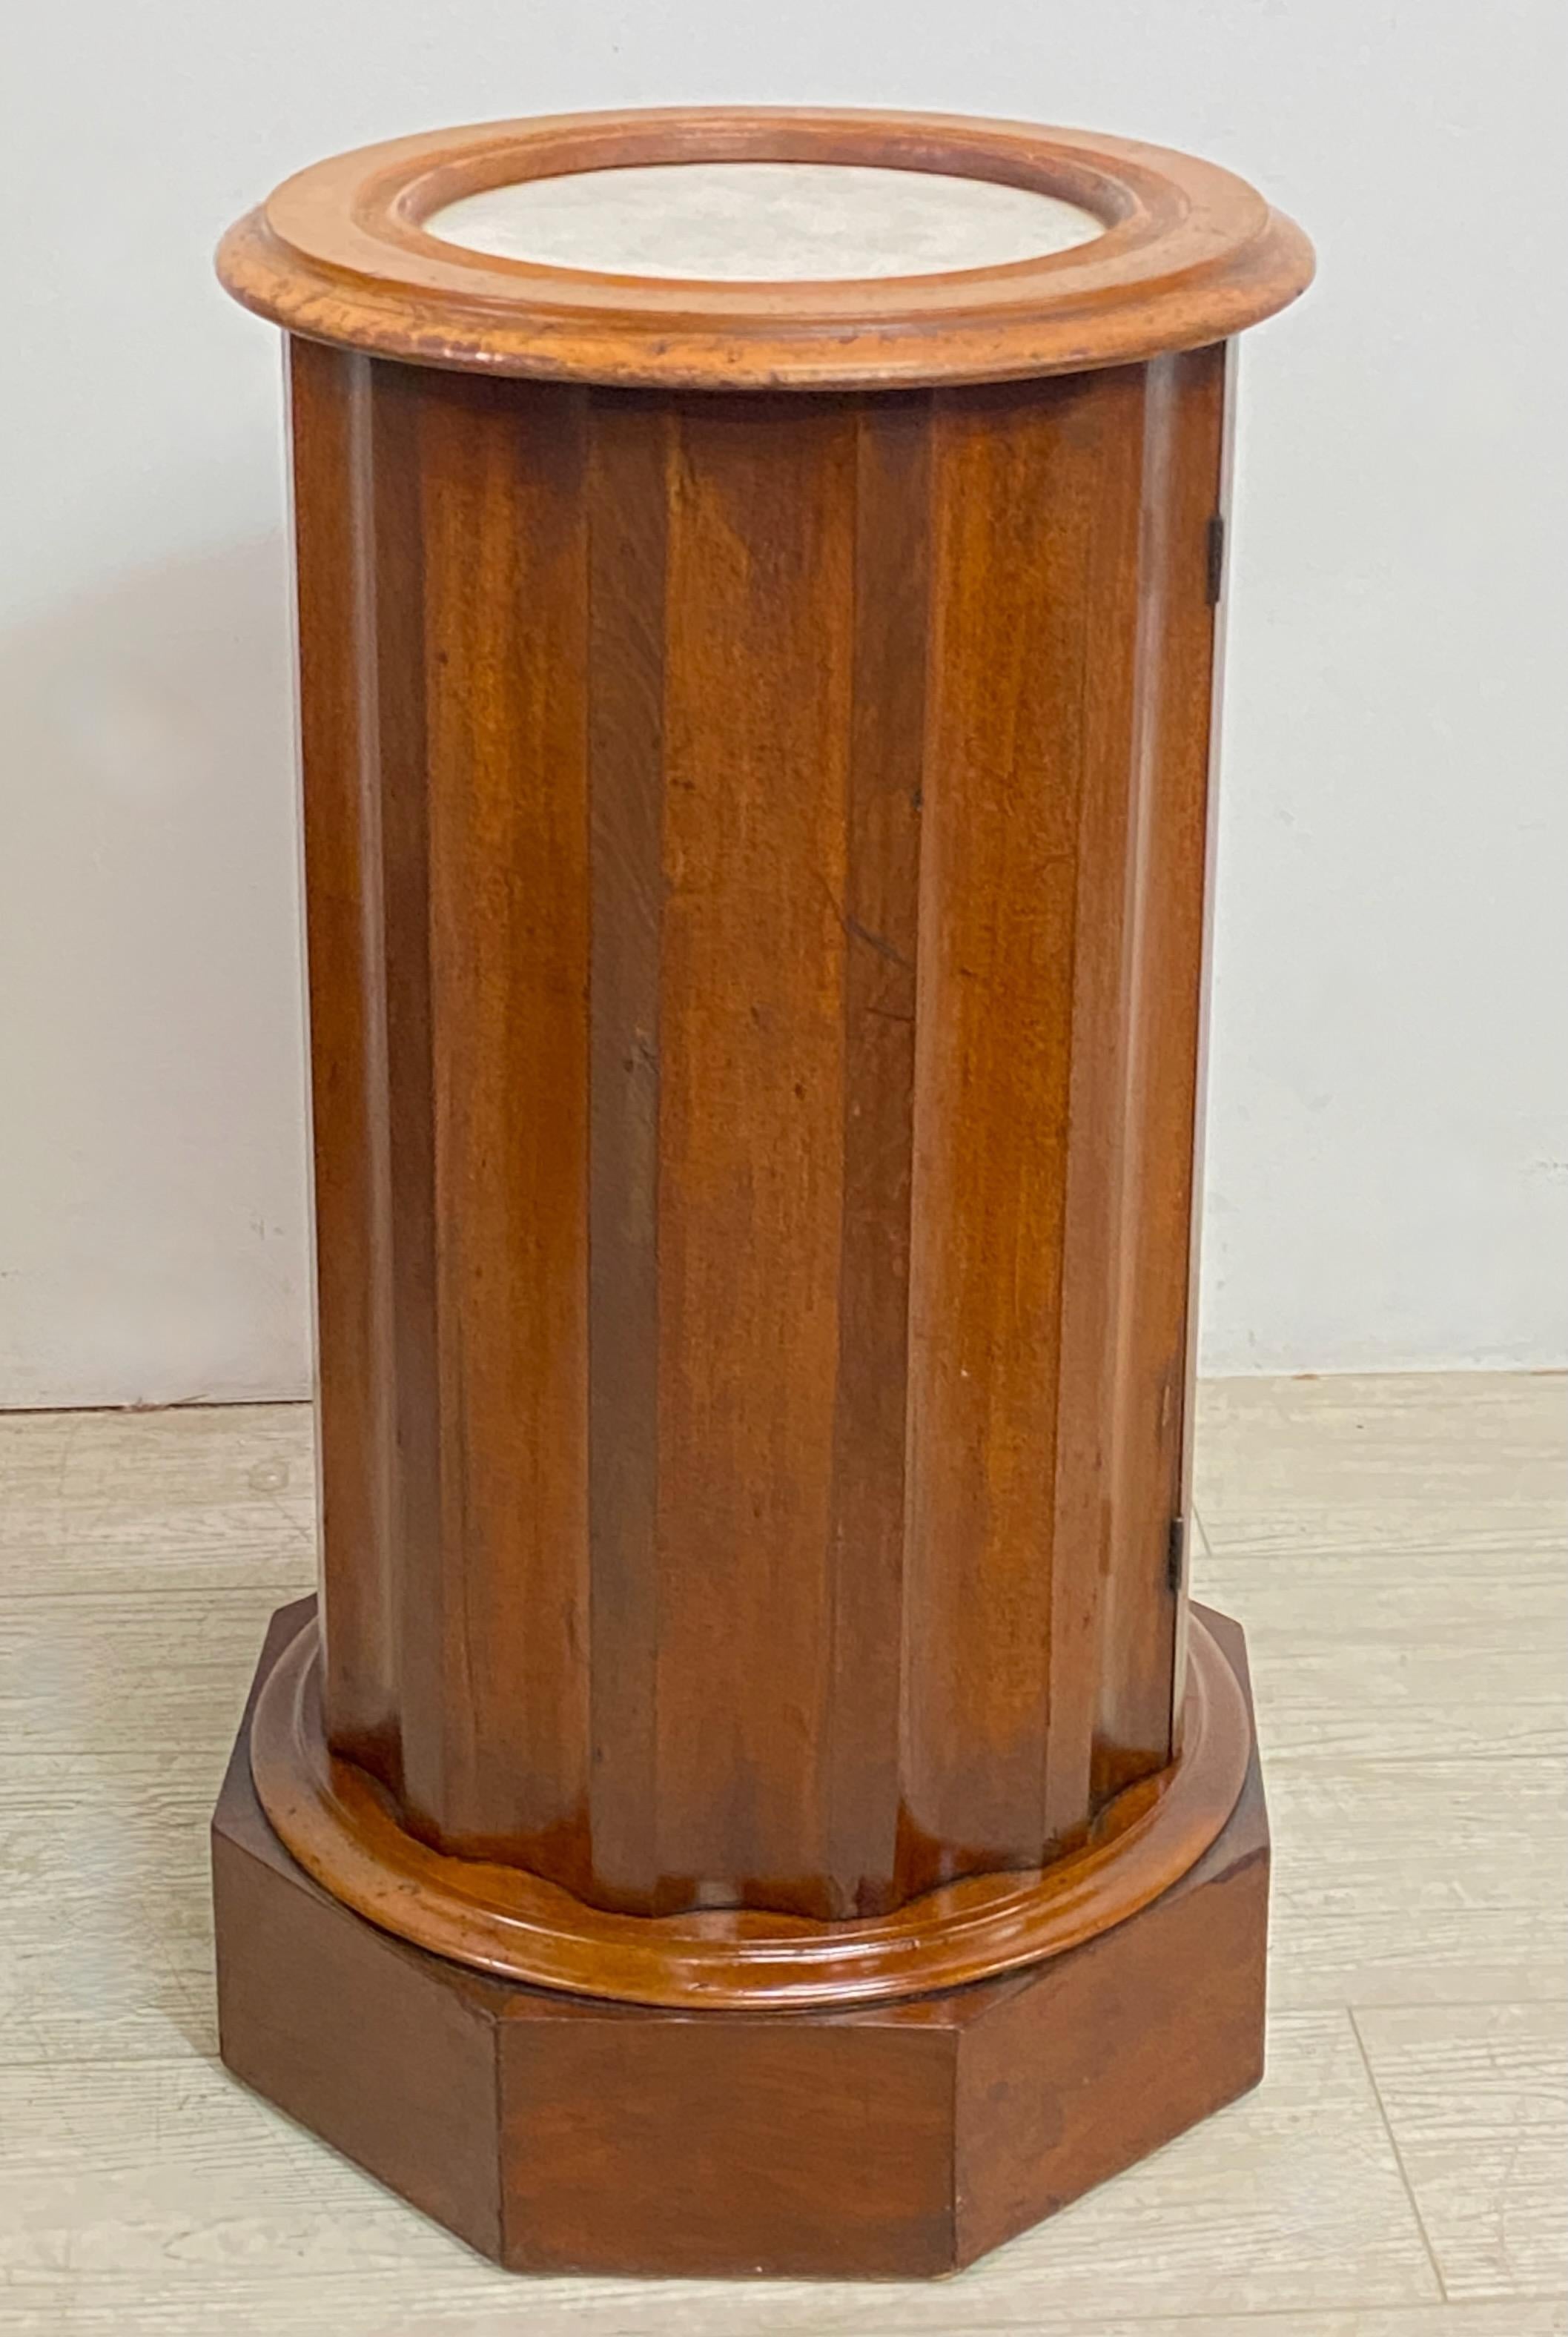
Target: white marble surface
(740, 221)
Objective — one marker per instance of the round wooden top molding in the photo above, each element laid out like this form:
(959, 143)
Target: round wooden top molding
(1190, 254)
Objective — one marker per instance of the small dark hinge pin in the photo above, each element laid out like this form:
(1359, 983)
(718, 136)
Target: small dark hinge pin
(1216, 559)
(1177, 1554)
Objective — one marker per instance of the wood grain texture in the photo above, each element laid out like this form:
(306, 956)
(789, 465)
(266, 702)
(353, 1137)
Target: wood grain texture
(160, 2198)
(1197, 1977)
(335, 563)
(1189, 255)
(1057, 1021)
(230, 1500)
(1083, 1451)
(756, 849)
(1165, 874)
(505, 1918)
(446, 855)
(1464, 1466)
(400, 2076)
(880, 914)
(501, 1731)
(757, 715)
(141, 2191)
(628, 486)
(1004, 778)
(733, 2149)
(1477, 2097)
(562, 2135)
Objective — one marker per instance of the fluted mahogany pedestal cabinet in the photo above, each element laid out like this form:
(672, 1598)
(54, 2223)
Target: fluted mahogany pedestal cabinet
(752, 1796)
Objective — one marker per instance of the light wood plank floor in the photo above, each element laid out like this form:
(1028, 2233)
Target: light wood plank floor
(1394, 1547)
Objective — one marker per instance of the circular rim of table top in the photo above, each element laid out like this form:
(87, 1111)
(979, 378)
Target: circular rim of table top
(1189, 255)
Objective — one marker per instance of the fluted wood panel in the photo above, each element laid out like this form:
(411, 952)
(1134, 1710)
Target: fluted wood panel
(336, 568)
(633, 447)
(1019, 492)
(756, 855)
(1163, 954)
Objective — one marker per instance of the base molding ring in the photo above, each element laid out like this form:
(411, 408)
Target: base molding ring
(343, 1831)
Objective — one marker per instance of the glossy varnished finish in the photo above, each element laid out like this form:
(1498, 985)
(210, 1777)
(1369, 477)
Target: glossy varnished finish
(757, 760)
(755, 857)
(1367, 1526)
(506, 1919)
(558, 2134)
(1188, 255)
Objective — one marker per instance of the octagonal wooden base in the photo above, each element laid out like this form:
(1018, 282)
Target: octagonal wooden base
(562, 2135)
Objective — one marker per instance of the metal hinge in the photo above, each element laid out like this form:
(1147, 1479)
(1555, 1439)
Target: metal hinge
(1176, 1555)
(1216, 559)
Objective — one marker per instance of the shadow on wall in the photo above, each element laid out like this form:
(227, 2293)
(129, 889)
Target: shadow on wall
(152, 1184)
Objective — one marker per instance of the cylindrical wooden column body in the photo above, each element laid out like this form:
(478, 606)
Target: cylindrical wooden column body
(756, 749)
(756, 872)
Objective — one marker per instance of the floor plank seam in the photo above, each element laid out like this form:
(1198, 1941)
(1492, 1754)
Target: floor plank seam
(1427, 1902)
(1398, 2156)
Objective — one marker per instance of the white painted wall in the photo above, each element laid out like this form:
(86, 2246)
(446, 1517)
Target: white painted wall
(1386, 1183)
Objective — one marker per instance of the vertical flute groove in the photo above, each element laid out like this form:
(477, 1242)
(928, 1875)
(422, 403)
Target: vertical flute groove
(881, 919)
(761, 1054)
(628, 493)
